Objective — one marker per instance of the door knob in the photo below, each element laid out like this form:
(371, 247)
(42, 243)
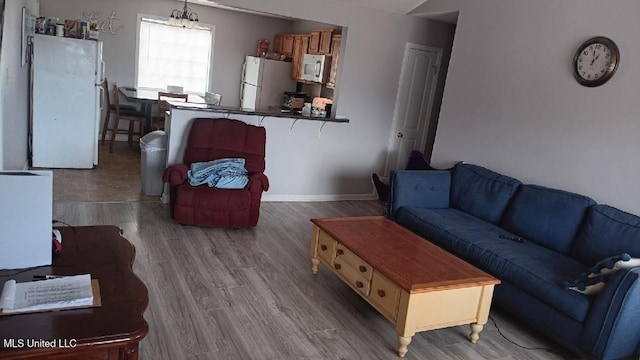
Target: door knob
(399, 135)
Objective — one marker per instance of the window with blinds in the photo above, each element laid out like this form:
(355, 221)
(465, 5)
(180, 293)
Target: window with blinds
(172, 55)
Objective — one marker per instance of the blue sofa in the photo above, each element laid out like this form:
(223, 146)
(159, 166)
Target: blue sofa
(478, 214)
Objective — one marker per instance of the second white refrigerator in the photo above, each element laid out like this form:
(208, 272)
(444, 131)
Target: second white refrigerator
(66, 95)
(264, 81)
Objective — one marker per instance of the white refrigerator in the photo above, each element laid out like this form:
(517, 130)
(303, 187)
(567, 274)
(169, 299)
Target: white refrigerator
(264, 81)
(66, 98)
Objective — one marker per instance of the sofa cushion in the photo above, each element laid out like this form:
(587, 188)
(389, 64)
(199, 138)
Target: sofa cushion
(529, 266)
(481, 192)
(198, 205)
(546, 216)
(606, 232)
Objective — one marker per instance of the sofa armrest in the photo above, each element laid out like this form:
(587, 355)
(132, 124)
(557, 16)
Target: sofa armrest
(258, 182)
(612, 327)
(175, 174)
(428, 188)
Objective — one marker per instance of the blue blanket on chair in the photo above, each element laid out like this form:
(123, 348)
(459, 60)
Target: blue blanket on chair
(228, 173)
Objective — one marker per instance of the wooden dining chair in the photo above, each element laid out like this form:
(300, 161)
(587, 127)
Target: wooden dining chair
(163, 106)
(111, 108)
(131, 116)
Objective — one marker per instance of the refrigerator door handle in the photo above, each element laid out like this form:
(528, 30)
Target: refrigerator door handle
(101, 89)
(102, 70)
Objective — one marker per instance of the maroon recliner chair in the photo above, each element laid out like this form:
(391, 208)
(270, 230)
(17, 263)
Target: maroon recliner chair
(211, 139)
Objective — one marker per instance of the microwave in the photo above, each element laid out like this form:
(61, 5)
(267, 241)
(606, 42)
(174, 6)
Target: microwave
(316, 68)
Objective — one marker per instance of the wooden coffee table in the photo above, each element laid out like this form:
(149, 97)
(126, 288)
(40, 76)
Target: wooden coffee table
(413, 283)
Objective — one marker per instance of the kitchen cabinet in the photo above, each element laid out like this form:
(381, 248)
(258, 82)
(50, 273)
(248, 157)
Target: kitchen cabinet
(320, 42)
(283, 44)
(326, 43)
(336, 41)
(300, 47)
(314, 42)
(277, 44)
(287, 44)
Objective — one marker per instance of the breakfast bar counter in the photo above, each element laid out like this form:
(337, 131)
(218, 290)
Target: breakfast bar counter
(291, 138)
(264, 113)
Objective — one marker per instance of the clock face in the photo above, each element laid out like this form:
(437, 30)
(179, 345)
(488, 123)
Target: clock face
(595, 61)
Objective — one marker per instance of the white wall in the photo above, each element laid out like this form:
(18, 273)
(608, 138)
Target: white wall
(342, 159)
(339, 163)
(236, 35)
(511, 102)
(14, 89)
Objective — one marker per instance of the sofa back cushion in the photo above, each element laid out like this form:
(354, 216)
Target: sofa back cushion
(481, 192)
(606, 232)
(546, 216)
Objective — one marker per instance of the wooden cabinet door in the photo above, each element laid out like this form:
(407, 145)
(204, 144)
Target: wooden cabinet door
(287, 44)
(300, 47)
(277, 44)
(325, 43)
(333, 73)
(314, 42)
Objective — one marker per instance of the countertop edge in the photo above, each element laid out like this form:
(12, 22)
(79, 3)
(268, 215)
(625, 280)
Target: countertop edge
(264, 113)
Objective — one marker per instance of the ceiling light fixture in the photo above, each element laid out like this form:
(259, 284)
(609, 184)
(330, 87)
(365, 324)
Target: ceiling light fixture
(184, 18)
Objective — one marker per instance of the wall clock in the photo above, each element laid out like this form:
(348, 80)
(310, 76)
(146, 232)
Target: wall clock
(596, 61)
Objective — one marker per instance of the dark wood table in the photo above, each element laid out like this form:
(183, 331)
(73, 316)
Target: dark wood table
(147, 98)
(112, 331)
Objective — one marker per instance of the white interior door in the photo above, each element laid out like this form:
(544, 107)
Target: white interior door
(414, 102)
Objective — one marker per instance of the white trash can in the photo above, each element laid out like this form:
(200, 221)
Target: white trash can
(153, 161)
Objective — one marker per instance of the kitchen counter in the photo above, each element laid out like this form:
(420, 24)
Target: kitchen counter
(291, 139)
(240, 111)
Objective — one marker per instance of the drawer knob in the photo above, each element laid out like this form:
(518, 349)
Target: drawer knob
(359, 284)
(339, 252)
(323, 247)
(362, 268)
(381, 293)
(337, 266)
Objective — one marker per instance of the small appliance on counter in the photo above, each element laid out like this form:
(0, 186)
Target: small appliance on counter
(321, 106)
(293, 101)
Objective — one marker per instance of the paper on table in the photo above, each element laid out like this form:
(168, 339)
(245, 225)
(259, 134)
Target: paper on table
(68, 291)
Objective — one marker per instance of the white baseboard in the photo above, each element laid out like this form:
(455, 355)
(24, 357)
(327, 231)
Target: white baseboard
(298, 198)
(309, 198)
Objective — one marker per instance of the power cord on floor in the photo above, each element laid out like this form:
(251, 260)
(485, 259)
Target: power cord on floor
(552, 351)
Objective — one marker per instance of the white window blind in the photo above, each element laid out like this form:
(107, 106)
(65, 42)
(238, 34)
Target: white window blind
(171, 55)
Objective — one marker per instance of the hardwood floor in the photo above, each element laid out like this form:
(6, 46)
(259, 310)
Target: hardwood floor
(116, 178)
(249, 294)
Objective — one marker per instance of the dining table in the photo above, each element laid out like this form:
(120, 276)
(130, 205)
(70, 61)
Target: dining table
(147, 98)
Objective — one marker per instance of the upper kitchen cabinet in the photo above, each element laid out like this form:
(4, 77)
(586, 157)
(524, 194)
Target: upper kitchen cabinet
(336, 41)
(283, 44)
(300, 47)
(320, 42)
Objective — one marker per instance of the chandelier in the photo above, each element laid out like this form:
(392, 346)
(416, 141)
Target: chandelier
(184, 18)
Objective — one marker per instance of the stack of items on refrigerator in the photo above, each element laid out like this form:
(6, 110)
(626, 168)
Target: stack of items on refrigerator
(70, 28)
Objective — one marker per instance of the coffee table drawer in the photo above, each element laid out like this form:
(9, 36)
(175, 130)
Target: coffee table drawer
(354, 261)
(351, 276)
(326, 247)
(386, 295)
